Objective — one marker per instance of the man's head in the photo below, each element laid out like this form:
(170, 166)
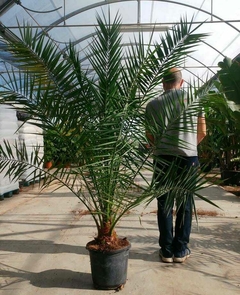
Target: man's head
(172, 79)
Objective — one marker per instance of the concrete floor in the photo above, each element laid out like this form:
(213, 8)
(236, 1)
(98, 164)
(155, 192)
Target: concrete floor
(43, 238)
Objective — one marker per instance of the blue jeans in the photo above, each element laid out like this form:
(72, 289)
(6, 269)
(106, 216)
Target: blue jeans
(174, 244)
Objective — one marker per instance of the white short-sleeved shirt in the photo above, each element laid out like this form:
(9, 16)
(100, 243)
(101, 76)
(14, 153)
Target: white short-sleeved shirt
(172, 120)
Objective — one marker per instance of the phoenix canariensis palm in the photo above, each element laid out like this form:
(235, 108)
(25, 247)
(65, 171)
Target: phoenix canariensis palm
(102, 105)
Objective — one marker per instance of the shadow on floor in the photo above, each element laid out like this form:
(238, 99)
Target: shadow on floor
(52, 278)
(40, 246)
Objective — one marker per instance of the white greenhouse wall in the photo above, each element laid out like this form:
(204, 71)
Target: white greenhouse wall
(8, 128)
(14, 131)
(32, 137)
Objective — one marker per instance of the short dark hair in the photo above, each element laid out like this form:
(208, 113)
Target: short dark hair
(172, 76)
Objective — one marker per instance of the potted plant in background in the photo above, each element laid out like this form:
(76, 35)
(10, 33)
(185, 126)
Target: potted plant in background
(229, 76)
(103, 107)
(62, 148)
(49, 150)
(222, 143)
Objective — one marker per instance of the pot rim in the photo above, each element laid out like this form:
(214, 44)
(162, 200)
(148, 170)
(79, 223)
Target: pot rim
(107, 251)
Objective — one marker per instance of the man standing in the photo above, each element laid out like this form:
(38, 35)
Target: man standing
(174, 132)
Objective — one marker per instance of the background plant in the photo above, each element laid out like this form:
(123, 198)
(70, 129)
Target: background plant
(62, 148)
(222, 107)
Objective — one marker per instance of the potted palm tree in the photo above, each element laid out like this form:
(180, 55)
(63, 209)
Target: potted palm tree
(103, 106)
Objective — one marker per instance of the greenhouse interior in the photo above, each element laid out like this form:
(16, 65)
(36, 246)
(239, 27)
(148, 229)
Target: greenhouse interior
(78, 151)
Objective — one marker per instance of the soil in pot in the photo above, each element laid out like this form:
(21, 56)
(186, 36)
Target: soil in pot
(109, 266)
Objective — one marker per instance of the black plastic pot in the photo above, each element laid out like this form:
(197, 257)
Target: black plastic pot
(230, 177)
(109, 268)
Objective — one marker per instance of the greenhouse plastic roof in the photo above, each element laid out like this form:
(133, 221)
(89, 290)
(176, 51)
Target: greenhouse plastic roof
(75, 20)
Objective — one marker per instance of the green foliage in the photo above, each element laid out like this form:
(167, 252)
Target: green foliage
(229, 76)
(222, 108)
(101, 110)
(61, 147)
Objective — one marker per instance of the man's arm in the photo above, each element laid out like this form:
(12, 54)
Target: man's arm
(150, 138)
(201, 129)
(149, 122)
